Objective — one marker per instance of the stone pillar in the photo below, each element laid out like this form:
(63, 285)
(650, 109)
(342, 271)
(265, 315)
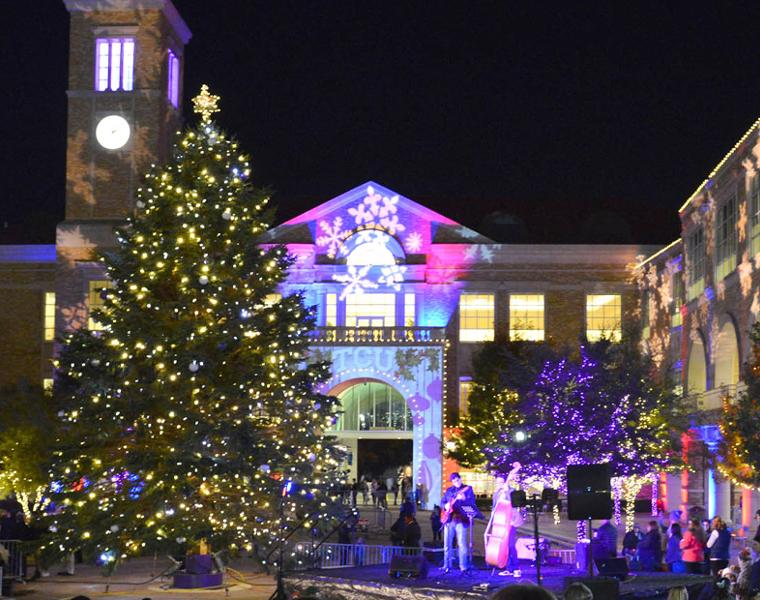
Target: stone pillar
(748, 510)
(722, 499)
(673, 491)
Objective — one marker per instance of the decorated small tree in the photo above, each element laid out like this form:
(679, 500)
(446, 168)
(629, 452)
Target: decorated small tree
(192, 414)
(739, 448)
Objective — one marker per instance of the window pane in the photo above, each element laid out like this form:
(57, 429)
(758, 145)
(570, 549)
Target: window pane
(101, 65)
(677, 295)
(465, 389)
(95, 301)
(49, 317)
(725, 239)
(128, 64)
(695, 249)
(603, 317)
(375, 310)
(409, 310)
(331, 310)
(476, 317)
(173, 80)
(115, 64)
(526, 317)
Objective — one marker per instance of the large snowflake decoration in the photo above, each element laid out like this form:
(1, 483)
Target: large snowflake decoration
(483, 252)
(392, 276)
(334, 236)
(377, 209)
(354, 280)
(413, 242)
(392, 225)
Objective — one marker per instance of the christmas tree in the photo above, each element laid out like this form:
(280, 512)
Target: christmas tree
(739, 448)
(191, 415)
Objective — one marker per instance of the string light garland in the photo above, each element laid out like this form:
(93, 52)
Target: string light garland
(196, 405)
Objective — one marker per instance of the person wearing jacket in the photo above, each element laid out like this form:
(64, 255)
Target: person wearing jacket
(673, 549)
(719, 544)
(650, 549)
(693, 548)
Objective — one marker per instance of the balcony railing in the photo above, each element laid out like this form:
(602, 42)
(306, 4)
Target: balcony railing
(713, 399)
(432, 336)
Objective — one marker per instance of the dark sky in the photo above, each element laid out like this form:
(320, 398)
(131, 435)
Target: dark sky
(568, 115)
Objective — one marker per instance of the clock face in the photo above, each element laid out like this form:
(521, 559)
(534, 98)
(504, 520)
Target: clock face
(112, 132)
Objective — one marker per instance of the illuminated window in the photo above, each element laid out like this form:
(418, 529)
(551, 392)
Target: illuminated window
(526, 317)
(49, 316)
(695, 250)
(95, 300)
(725, 239)
(754, 221)
(370, 310)
(173, 79)
(375, 248)
(114, 64)
(677, 295)
(409, 310)
(331, 310)
(372, 405)
(476, 317)
(465, 389)
(603, 317)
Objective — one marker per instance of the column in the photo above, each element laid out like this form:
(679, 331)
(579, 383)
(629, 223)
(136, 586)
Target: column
(748, 511)
(673, 492)
(722, 498)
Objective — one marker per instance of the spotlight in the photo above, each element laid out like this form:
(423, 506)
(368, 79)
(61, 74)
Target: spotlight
(520, 436)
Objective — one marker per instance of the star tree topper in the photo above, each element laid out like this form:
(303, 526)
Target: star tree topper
(205, 104)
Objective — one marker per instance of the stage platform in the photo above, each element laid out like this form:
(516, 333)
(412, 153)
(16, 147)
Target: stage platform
(373, 582)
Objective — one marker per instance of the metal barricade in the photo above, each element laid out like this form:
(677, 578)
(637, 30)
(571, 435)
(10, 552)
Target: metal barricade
(12, 559)
(336, 556)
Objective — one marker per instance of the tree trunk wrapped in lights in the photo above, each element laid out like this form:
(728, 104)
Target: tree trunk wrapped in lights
(186, 415)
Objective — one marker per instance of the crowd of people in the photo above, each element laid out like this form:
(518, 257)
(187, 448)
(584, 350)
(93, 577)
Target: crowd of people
(378, 491)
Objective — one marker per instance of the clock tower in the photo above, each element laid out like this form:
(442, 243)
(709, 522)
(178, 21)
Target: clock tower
(124, 106)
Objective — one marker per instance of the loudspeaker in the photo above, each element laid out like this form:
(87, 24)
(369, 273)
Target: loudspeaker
(607, 588)
(613, 567)
(408, 566)
(589, 492)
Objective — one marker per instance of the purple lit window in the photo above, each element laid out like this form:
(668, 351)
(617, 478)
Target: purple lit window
(114, 64)
(173, 79)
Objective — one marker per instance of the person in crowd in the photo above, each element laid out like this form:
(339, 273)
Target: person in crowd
(382, 495)
(398, 531)
(757, 533)
(364, 489)
(605, 545)
(457, 497)
(673, 558)
(693, 548)
(719, 544)
(631, 545)
(394, 491)
(435, 522)
(678, 593)
(412, 532)
(578, 591)
(408, 508)
(373, 491)
(354, 492)
(740, 588)
(389, 481)
(650, 548)
(754, 569)
(707, 530)
(523, 592)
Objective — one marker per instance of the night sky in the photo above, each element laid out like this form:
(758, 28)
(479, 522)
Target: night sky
(590, 122)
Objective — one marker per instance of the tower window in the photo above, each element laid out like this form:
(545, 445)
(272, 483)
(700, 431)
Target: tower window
(114, 64)
(173, 79)
(49, 316)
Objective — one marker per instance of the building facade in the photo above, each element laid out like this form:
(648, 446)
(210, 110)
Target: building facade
(700, 298)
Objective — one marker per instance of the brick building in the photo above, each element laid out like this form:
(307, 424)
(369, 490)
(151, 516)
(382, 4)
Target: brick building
(404, 295)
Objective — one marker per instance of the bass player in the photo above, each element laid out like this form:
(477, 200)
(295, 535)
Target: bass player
(501, 531)
(457, 523)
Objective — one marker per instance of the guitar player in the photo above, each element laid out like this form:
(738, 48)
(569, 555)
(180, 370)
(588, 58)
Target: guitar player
(457, 524)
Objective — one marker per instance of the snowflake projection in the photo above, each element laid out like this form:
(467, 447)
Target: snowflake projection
(741, 222)
(390, 206)
(334, 236)
(755, 308)
(665, 289)
(354, 280)
(482, 252)
(745, 275)
(413, 242)
(466, 232)
(361, 215)
(392, 225)
(749, 173)
(392, 276)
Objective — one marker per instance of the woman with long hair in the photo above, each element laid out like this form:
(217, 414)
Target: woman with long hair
(693, 548)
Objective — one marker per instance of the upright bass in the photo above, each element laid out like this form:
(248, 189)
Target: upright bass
(499, 526)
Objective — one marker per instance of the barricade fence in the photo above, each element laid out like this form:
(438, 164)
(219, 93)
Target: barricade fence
(335, 556)
(11, 559)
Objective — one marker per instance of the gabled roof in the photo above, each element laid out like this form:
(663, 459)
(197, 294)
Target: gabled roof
(444, 230)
